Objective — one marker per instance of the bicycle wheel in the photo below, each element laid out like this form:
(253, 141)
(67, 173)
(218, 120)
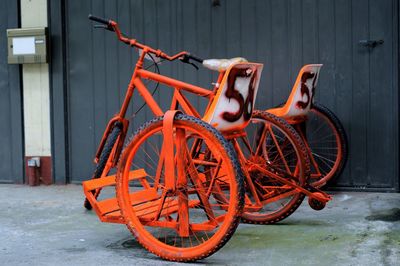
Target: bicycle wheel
(186, 223)
(105, 154)
(327, 140)
(273, 144)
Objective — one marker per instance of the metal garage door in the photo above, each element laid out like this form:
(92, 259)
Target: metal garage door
(11, 137)
(359, 84)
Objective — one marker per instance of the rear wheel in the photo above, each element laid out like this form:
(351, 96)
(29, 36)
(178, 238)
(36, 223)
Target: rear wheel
(327, 140)
(273, 144)
(184, 222)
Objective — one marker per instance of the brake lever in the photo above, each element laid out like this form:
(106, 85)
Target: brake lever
(101, 26)
(194, 65)
(186, 59)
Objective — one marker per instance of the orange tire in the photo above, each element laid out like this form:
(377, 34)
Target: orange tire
(154, 214)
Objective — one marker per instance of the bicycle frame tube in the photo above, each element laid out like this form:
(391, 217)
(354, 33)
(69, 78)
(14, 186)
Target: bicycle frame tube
(131, 85)
(175, 83)
(136, 82)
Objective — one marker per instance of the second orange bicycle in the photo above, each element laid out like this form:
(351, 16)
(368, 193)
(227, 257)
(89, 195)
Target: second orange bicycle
(184, 180)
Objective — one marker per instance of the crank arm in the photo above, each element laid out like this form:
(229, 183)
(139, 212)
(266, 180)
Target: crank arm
(318, 194)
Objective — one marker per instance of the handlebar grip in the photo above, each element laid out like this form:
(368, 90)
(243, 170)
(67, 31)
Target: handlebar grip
(100, 20)
(195, 58)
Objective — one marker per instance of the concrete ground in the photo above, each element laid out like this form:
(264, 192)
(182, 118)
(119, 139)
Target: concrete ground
(48, 226)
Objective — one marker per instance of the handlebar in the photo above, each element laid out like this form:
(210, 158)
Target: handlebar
(195, 58)
(186, 59)
(113, 26)
(100, 20)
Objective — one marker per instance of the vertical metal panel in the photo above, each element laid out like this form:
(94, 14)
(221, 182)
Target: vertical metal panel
(11, 135)
(295, 41)
(264, 51)
(358, 84)
(326, 50)
(380, 116)
(100, 98)
(58, 98)
(81, 91)
(343, 74)
(233, 27)
(188, 41)
(279, 64)
(203, 35)
(396, 95)
(360, 98)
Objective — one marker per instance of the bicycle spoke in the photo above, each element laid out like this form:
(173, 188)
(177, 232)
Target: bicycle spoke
(280, 151)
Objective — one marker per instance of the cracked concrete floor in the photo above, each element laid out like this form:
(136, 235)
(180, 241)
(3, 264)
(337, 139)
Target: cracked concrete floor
(48, 226)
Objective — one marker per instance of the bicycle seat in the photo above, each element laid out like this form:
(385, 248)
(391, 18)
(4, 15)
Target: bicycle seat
(222, 64)
(302, 95)
(233, 103)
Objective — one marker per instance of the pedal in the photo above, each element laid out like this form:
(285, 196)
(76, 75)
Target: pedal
(315, 203)
(317, 198)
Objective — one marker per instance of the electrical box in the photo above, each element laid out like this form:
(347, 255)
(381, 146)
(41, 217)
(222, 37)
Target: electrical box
(27, 45)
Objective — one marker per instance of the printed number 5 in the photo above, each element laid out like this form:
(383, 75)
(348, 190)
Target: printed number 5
(245, 105)
(305, 91)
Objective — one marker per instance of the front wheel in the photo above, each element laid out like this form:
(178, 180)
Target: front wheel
(105, 154)
(184, 221)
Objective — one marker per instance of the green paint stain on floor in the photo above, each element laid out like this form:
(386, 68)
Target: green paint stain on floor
(291, 236)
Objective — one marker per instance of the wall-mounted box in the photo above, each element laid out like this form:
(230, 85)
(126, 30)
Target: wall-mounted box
(27, 45)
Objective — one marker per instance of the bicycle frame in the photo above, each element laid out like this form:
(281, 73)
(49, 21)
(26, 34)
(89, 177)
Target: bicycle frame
(178, 99)
(137, 83)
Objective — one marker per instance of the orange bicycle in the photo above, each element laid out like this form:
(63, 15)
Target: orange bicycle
(184, 180)
(321, 130)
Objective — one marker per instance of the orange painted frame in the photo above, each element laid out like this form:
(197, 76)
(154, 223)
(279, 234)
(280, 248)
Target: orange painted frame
(178, 98)
(297, 121)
